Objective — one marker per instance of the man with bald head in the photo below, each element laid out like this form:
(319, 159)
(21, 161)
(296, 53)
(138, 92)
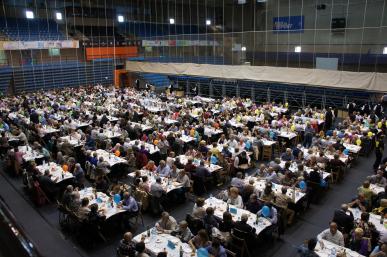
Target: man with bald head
(332, 235)
(344, 219)
(127, 247)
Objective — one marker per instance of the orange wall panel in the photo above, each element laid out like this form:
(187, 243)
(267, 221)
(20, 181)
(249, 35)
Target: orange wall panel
(111, 52)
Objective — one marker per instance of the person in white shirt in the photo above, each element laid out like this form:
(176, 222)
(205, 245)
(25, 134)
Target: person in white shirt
(332, 235)
(233, 143)
(234, 198)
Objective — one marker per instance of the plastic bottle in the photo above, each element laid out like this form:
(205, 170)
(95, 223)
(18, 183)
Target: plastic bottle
(333, 252)
(148, 231)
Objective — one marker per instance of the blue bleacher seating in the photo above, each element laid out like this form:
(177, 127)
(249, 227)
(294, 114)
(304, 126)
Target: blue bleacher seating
(146, 29)
(157, 80)
(63, 74)
(18, 29)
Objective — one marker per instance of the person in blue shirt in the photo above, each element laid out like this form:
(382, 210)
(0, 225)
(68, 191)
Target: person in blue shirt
(308, 251)
(287, 156)
(90, 142)
(216, 249)
(379, 251)
(163, 170)
(226, 152)
(3, 126)
(129, 203)
(94, 159)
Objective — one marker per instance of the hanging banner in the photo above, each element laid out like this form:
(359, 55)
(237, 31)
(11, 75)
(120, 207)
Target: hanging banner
(293, 24)
(24, 45)
(160, 43)
(104, 43)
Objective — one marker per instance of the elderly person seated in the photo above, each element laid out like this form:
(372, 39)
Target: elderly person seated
(84, 209)
(261, 171)
(267, 195)
(378, 179)
(198, 211)
(275, 164)
(216, 249)
(287, 155)
(234, 198)
(102, 166)
(360, 244)
(128, 203)
(308, 249)
(238, 181)
(332, 234)
(272, 176)
(244, 227)
(183, 232)
(163, 170)
(272, 213)
(382, 209)
(282, 200)
(127, 246)
(200, 240)
(209, 220)
(150, 166)
(367, 192)
(253, 205)
(166, 224)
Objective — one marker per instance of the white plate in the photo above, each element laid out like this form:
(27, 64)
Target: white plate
(187, 250)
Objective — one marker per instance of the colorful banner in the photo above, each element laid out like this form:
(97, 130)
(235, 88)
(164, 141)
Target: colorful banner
(160, 43)
(293, 24)
(25, 45)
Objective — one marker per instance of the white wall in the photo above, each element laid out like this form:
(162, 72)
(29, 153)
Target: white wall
(318, 37)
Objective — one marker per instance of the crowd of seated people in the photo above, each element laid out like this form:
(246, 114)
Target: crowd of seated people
(178, 148)
(358, 225)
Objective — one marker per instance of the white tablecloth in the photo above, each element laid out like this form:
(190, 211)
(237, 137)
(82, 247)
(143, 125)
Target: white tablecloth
(374, 219)
(167, 183)
(221, 206)
(261, 184)
(56, 171)
(29, 154)
(328, 248)
(159, 243)
(152, 149)
(104, 204)
(73, 141)
(211, 167)
(110, 157)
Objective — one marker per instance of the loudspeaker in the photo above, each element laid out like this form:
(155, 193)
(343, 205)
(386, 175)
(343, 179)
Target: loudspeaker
(321, 6)
(338, 24)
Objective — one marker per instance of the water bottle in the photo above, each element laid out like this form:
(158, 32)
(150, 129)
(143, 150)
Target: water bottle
(333, 252)
(147, 231)
(154, 232)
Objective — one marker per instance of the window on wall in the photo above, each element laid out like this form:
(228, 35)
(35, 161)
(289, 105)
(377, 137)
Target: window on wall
(54, 52)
